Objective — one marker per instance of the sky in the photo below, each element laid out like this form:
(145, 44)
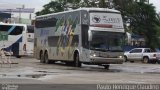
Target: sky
(38, 4)
(156, 3)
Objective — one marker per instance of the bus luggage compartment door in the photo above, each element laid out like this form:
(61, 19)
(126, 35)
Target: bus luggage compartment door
(15, 49)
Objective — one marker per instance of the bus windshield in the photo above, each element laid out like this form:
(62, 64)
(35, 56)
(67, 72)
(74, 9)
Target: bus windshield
(107, 41)
(11, 29)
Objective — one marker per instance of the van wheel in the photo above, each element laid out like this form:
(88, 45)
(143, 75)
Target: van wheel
(41, 57)
(145, 60)
(77, 63)
(125, 59)
(46, 60)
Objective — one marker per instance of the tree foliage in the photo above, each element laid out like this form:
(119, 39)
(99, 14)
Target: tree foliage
(51, 7)
(144, 22)
(63, 5)
(142, 19)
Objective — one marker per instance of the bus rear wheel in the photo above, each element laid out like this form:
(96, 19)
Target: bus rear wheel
(46, 60)
(77, 63)
(125, 59)
(41, 57)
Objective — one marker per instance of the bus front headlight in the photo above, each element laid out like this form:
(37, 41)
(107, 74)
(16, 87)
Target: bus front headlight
(120, 56)
(93, 55)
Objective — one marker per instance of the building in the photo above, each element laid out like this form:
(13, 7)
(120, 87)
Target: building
(134, 41)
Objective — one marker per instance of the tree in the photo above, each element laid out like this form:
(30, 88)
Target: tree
(89, 3)
(125, 11)
(51, 7)
(63, 5)
(58, 6)
(144, 21)
(102, 4)
(157, 27)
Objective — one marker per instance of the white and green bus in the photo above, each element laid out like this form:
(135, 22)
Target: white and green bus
(86, 35)
(17, 38)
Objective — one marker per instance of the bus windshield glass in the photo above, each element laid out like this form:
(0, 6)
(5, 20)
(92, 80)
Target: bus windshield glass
(107, 41)
(11, 29)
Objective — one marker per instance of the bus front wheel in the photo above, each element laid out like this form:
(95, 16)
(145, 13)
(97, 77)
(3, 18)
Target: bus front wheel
(18, 56)
(125, 59)
(77, 63)
(41, 57)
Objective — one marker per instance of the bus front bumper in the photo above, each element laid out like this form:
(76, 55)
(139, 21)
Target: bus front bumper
(101, 60)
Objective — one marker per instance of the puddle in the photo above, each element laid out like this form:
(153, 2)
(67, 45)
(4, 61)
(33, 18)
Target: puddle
(52, 72)
(42, 71)
(33, 75)
(94, 69)
(152, 72)
(3, 75)
(47, 72)
(27, 76)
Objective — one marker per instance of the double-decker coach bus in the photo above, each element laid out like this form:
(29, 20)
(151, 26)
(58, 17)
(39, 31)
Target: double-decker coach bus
(17, 38)
(86, 35)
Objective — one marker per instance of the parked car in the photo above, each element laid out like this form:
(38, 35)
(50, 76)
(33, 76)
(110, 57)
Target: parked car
(146, 55)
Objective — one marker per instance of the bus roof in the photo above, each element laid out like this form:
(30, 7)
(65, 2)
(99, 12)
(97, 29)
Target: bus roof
(87, 9)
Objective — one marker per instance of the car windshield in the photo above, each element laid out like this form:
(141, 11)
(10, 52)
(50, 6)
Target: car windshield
(107, 41)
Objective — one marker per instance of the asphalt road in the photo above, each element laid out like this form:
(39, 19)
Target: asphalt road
(29, 72)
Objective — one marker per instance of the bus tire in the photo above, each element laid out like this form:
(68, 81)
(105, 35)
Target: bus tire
(125, 59)
(18, 56)
(41, 57)
(77, 63)
(46, 60)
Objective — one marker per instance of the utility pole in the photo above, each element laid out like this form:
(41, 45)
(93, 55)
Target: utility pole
(20, 9)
